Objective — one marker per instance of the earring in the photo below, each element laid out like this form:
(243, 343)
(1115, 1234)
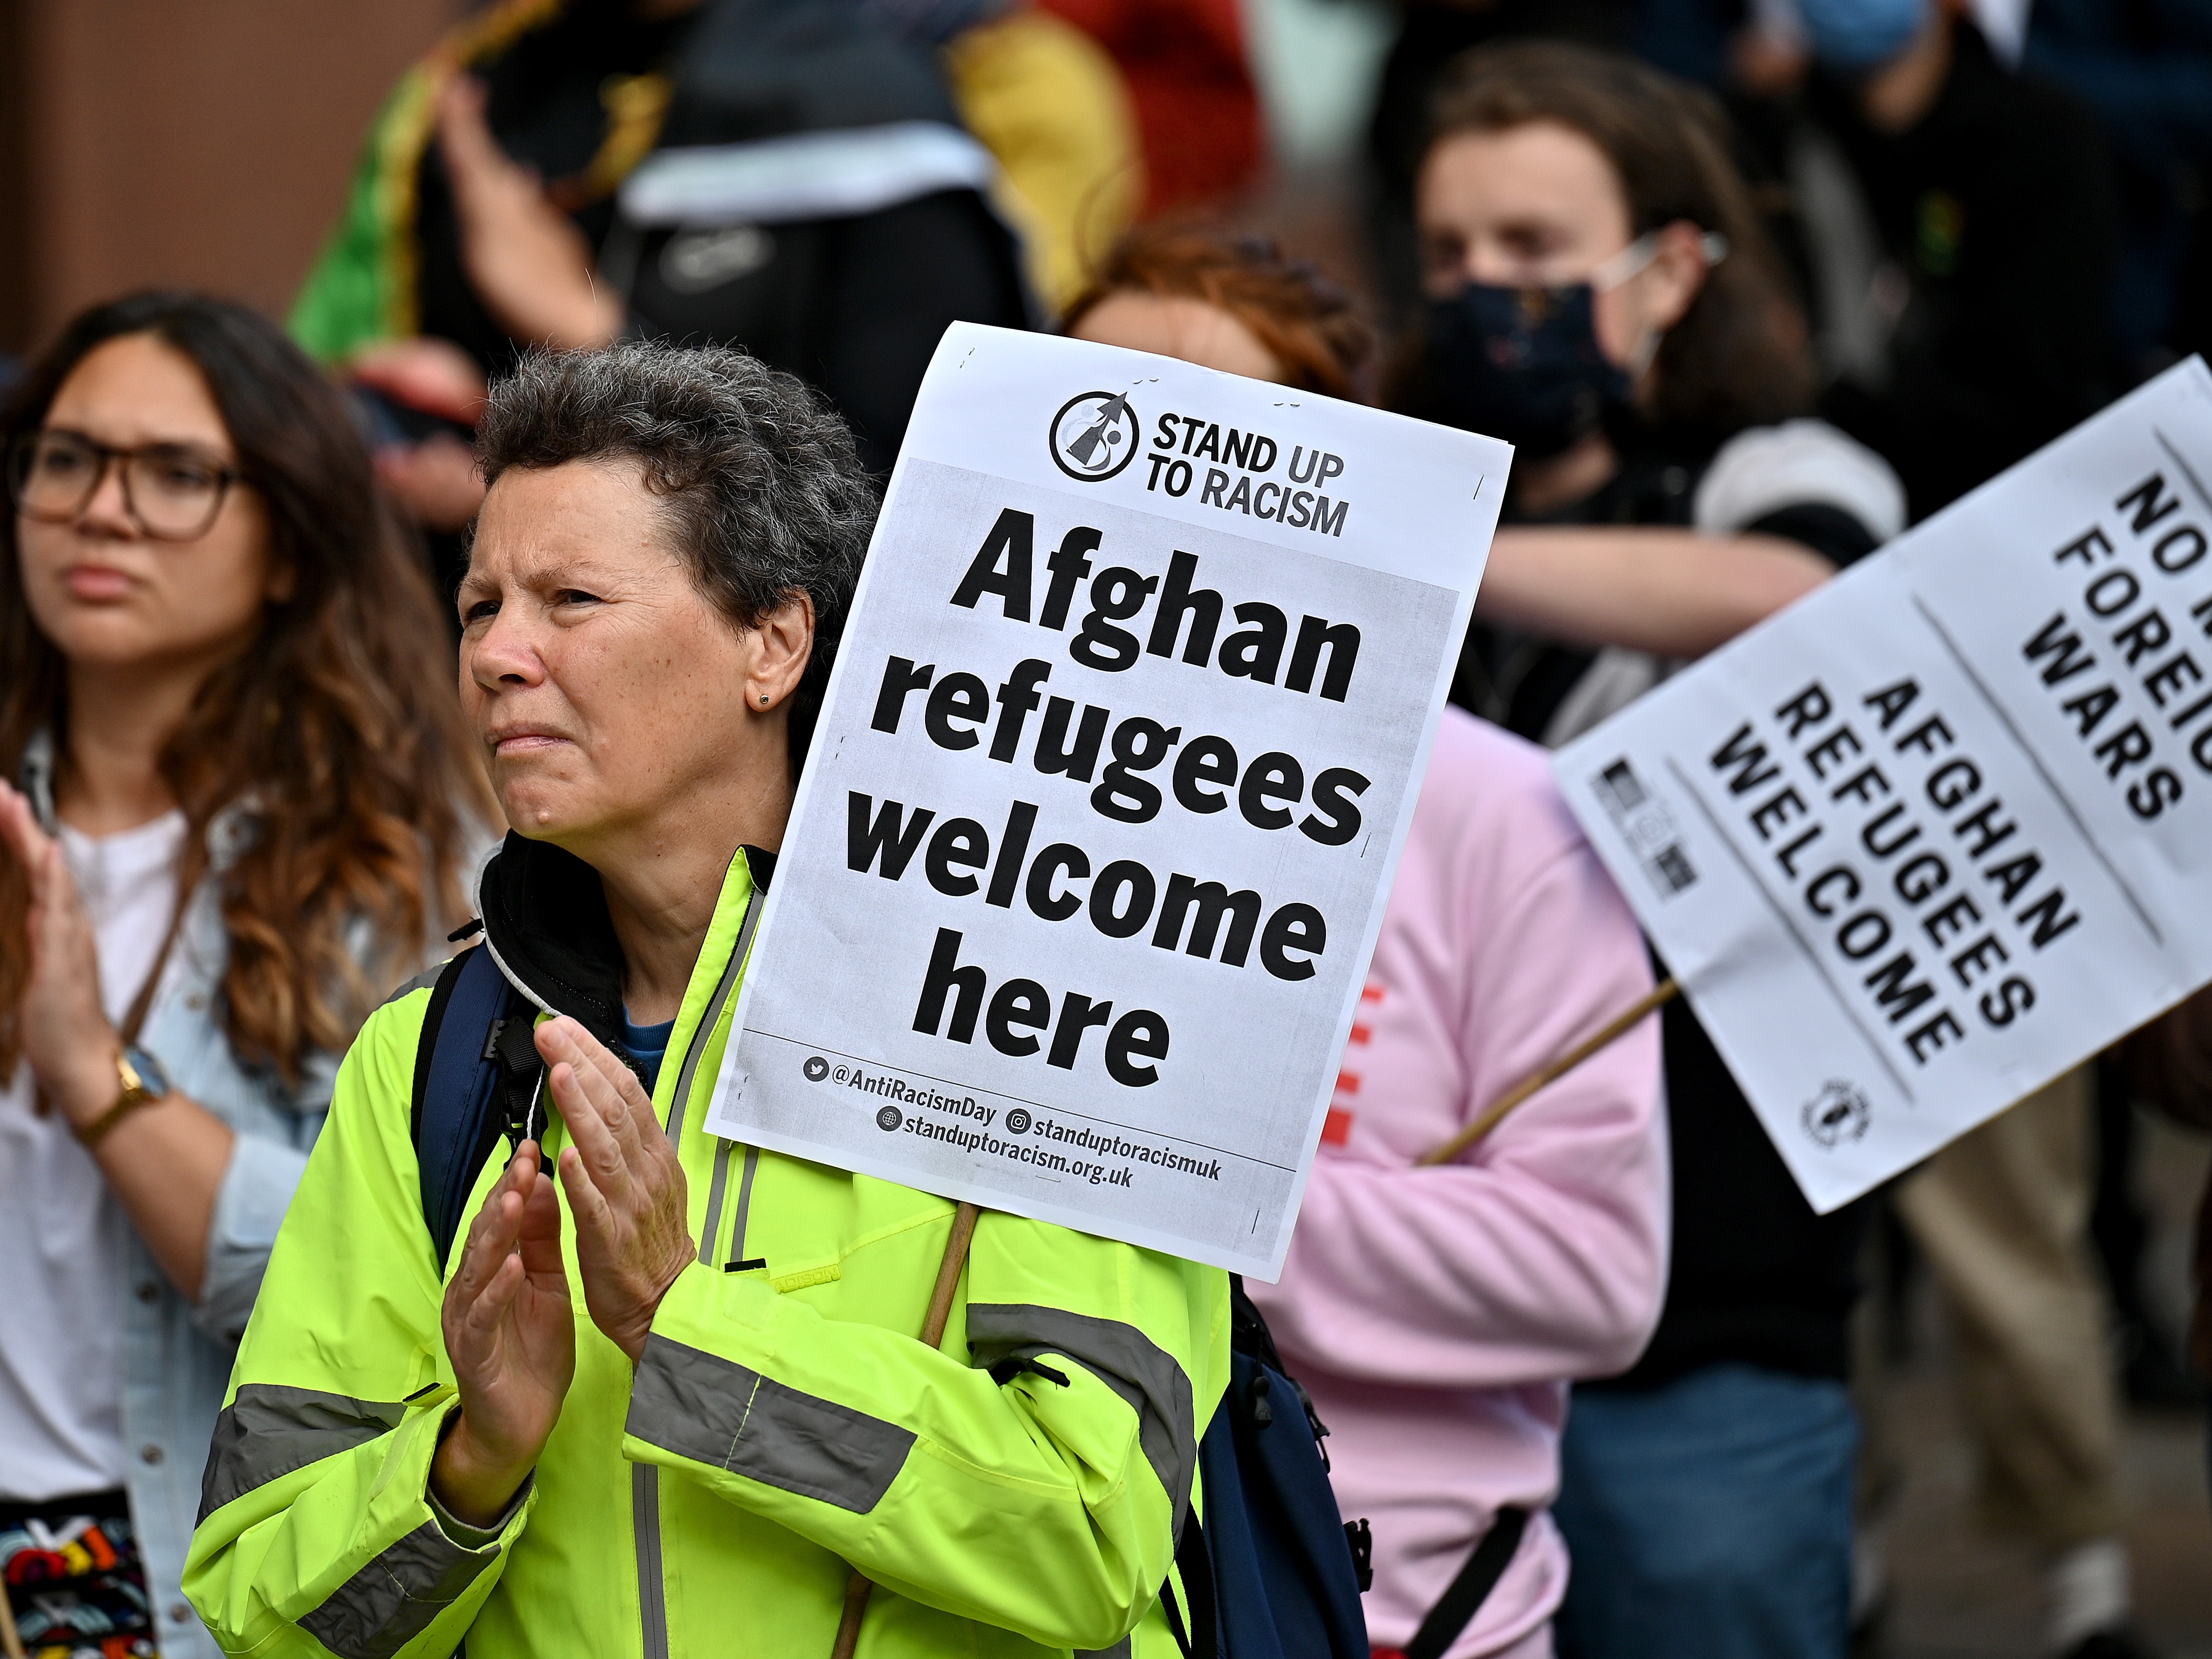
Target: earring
(763, 699)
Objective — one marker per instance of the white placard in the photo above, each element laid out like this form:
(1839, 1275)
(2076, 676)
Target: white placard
(1942, 829)
(1123, 739)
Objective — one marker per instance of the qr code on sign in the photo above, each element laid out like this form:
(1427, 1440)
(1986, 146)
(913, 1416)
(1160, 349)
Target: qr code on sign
(1618, 781)
(1647, 826)
(1669, 865)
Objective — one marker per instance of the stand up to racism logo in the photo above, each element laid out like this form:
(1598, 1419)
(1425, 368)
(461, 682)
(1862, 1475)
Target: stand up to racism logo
(1839, 1115)
(1094, 436)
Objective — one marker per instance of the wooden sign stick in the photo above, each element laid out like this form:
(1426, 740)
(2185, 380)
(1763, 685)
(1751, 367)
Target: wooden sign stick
(11, 1641)
(857, 1588)
(1661, 994)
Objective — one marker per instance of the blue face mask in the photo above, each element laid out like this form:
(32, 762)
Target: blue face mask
(1858, 36)
(1522, 364)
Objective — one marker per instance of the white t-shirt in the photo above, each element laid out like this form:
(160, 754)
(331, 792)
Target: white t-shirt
(62, 1235)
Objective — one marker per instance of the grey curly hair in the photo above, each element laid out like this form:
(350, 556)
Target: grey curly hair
(760, 483)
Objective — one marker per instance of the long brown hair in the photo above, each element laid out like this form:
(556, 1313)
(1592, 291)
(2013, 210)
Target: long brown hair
(1307, 323)
(337, 725)
(1739, 357)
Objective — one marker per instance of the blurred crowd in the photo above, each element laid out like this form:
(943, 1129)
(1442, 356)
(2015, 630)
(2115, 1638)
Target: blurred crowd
(1752, 285)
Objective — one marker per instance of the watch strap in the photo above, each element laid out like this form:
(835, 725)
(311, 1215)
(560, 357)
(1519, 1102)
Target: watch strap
(134, 1094)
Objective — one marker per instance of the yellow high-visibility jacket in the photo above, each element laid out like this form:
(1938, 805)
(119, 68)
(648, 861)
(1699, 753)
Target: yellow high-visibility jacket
(783, 1422)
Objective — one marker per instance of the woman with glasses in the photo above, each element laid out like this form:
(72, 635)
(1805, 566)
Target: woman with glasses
(243, 807)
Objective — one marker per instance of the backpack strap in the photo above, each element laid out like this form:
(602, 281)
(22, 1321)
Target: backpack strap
(1200, 1637)
(456, 1118)
(1467, 1592)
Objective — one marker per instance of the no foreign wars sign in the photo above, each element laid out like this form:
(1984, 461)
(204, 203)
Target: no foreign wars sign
(1942, 829)
(1120, 748)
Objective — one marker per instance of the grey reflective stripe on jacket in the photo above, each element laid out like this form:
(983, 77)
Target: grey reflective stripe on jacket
(1119, 1355)
(714, 1410)
(396, 1595)
(645, 1536)
(427, 980)
(269, 1430)
(645, 1478)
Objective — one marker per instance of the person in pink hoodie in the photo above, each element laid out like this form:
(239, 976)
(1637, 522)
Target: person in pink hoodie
(1436, 1315)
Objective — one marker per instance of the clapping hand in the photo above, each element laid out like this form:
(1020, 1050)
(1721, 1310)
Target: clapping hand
(625, 1187)
(510, 1332)
(65, 1033)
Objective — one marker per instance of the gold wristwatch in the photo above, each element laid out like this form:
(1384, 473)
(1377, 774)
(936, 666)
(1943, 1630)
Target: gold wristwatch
(142, 1081)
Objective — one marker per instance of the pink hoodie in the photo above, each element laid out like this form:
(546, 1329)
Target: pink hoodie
(1436, 1313)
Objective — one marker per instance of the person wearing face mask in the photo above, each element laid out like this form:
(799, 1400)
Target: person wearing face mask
(242, 804)
(1601, 296)
(1435, 1316)
(1993, 195)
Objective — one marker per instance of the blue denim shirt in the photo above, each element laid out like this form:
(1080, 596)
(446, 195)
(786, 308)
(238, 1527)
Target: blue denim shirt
(177, 1355)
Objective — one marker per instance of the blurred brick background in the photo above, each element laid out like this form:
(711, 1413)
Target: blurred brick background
(203, 143)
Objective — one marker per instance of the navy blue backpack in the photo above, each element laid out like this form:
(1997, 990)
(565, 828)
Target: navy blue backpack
(1275, 1573)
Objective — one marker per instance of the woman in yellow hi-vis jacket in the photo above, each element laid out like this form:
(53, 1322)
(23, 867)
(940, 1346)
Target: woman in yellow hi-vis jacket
(669, 1388)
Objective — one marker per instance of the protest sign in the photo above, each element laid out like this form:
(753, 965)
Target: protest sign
(1942, 829)
(1124, 736)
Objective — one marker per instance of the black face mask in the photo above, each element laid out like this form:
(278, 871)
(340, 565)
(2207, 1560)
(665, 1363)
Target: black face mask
(1522, 364)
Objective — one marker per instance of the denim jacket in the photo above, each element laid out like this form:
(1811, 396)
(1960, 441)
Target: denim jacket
(177, 1355)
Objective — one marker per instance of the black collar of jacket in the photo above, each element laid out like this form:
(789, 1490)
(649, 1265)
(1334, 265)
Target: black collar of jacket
(546, 925)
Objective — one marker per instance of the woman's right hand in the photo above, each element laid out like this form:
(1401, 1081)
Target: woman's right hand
(65, 1033)
(511, 1334)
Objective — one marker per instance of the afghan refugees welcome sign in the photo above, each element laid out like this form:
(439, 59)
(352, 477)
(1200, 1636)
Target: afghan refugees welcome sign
(1942, 829)
(1124, 736)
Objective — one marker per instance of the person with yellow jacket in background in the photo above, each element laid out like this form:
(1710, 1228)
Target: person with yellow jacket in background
(666, 1392)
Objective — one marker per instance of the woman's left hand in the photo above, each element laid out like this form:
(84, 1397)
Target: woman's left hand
(625, 1185)
(66, 1035)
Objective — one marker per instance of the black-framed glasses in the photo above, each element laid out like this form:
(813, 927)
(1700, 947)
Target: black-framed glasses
(172, 492)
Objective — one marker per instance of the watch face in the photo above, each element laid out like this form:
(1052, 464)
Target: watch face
(149, 1069)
